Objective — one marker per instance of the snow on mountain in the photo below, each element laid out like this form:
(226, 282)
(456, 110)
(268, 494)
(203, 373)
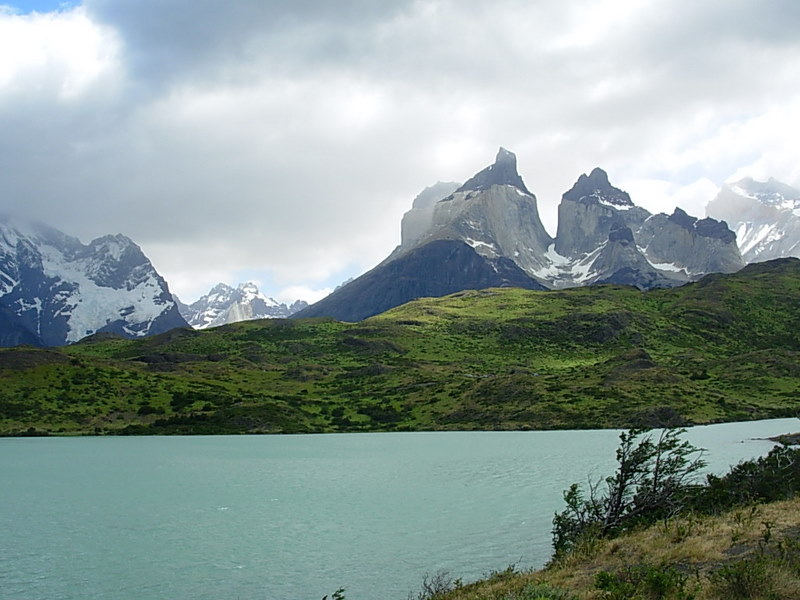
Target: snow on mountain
(225, 304)
(765, 216)
(59, 290)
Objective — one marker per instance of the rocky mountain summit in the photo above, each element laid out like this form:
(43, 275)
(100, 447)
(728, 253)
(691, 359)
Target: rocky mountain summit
(54, 290)
(765, 216)
(492, 222)
(225, 304)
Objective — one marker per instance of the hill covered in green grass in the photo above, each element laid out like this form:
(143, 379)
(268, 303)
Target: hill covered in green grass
(724, 348)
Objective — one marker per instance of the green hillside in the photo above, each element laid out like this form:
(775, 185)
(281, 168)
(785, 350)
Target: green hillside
(725, 348)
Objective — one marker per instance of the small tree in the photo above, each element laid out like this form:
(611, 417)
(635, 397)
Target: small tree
(653, 480)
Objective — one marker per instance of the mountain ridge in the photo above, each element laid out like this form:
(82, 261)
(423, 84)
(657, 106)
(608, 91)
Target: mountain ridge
(224, 304)
(764, 215)
(55, 290)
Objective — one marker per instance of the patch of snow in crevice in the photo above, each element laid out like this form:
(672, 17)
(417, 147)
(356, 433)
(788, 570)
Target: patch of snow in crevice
(555, 257)
(474, 225)
(478, 244)
(26, 306)
(611, 203)
(672, 267)
(7, 284)
(605, 202)
(519, 191)
(582, 269)
(561, 270)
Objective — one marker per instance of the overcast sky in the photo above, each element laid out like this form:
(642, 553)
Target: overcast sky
(281, 141)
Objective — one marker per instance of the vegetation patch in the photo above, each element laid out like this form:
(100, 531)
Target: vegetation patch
(726, 348)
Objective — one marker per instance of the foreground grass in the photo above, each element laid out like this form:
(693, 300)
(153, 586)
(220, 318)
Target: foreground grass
(751, 552)
(726, 348)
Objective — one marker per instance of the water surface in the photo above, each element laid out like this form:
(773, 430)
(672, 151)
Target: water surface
(294, 517)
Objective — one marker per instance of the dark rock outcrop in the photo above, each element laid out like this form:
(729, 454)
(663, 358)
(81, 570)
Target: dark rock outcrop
(438, 268)
(502, 172)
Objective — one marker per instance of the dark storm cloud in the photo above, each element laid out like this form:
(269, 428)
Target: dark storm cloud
(188, 38)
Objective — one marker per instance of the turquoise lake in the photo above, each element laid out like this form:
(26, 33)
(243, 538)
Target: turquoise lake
(295, 517)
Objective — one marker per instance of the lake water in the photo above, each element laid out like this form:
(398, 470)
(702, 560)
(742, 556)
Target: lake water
(294, 517)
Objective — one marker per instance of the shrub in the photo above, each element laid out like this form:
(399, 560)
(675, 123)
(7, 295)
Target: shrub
(653, 480)
(644, 581)
(744, 579)
(541, 592)
(775, 476)
(436, 586)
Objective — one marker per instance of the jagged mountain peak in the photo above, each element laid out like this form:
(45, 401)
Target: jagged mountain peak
(682, 218)
(707, 227)
(502, 172)
(248, 287)
(595, 188)
(589, 210)
(225, 304)
(769, 193)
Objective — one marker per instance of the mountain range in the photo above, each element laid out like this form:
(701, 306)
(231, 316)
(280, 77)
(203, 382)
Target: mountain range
(225, 304)
(483, 233)
(487, 233)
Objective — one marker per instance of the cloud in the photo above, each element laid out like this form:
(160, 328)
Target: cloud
(287, 138)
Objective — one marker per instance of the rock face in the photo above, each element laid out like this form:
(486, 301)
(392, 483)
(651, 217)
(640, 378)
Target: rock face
(225, 304)
(55, 290)
(693, 247)
(589, 211)
(417, 222)
(619, 261)
(764, 215)
(493, 212)
(604, 237)
(488, 233)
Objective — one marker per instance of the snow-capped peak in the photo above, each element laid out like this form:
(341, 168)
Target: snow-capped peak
(225, 304)
(769, 193)
(59, 290)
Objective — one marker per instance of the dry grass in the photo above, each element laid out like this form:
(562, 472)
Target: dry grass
(710, 552)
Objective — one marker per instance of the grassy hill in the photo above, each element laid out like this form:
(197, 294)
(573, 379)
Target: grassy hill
(725, 348)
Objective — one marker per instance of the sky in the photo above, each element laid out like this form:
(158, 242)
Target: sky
(281, 141)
